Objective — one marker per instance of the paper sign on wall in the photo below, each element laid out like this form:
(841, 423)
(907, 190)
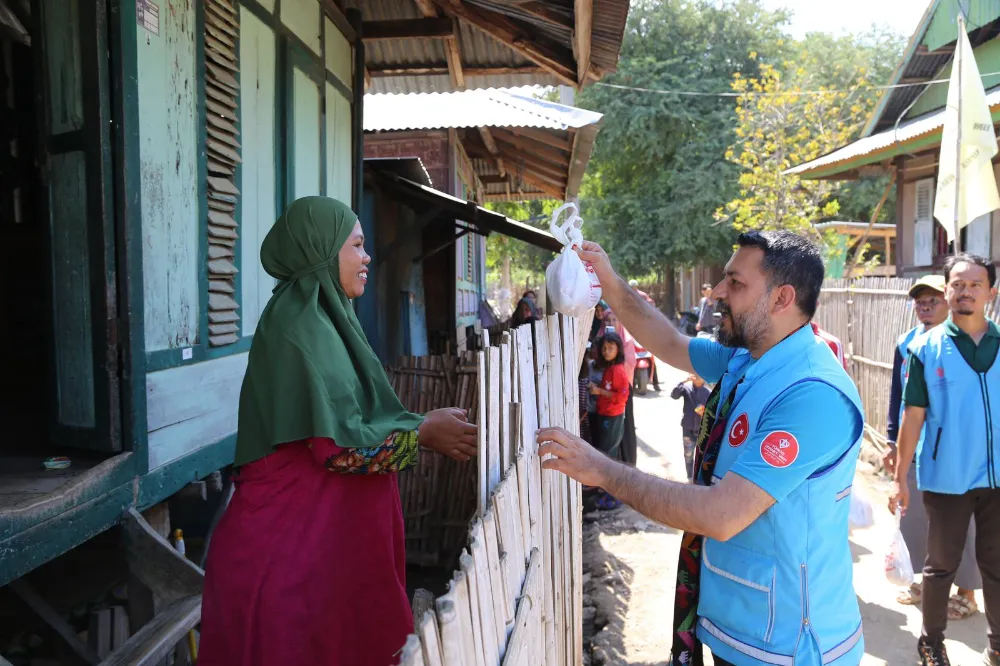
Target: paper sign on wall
(147, 14)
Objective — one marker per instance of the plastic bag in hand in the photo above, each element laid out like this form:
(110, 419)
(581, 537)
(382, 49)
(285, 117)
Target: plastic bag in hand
(898, 569)
(861, 515)
(571, 285)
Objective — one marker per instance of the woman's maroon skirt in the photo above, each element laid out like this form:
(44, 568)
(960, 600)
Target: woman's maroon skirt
(306, 568)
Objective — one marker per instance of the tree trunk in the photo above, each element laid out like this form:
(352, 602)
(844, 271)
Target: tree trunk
(670, 289)
(507, 288)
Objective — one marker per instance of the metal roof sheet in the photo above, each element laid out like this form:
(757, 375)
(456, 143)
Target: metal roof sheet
(877, 142)
(470, 108)
(482, 51)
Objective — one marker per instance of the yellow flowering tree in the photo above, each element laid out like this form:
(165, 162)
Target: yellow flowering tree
(787, 117)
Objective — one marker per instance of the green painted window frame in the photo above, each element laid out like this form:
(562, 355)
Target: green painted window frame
(291, 52)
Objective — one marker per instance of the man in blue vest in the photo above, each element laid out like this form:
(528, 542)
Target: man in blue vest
(765, 570)
(952, 394)
(931, 309)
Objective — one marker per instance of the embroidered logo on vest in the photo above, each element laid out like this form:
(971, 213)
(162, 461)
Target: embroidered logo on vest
(779, 449)
(739, 430)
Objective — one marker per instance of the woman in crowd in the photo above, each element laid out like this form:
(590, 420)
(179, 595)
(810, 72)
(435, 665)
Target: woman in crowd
(307, 566)
(524, 313)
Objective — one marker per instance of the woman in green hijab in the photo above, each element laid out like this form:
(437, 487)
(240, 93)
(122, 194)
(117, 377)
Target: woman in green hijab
(307, 566)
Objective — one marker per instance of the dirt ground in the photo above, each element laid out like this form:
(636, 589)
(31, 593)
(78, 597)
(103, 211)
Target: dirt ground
(630, 564)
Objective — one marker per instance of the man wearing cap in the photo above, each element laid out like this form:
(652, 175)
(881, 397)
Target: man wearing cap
(952, 395)
(931, 310)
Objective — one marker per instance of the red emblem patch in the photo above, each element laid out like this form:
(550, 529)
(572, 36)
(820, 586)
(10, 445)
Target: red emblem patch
(940, 373)
(739, 430)
(779, 449)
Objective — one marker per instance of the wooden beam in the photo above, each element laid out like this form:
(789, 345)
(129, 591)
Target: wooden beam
(494, 179)
(515, 162)
(333, 13)
(551, 190)
(423, 28)
(545, 12)
(426, 7)
(516, 36)
(491, 146)
(534, 148)
(543, 136)
(583, 12)
(453, 53)
(441, 69)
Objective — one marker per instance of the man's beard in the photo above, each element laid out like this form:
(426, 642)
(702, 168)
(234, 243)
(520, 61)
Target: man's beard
(965, 308)
(747, 329)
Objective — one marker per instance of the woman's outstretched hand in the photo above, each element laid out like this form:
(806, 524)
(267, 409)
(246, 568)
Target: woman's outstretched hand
(448, 431)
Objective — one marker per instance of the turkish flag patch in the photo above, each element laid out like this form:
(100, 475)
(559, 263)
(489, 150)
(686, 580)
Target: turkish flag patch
(779, 449)
(739, 430)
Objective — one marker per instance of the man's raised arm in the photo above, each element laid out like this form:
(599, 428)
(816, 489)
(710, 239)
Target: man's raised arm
(649, 326)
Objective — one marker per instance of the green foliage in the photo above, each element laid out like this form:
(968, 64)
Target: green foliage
(527, 261)
(660, 171)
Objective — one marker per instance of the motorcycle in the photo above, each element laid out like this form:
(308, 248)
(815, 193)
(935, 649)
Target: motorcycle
(643, 369)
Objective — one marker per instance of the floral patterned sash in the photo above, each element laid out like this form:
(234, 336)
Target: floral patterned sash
(686, 648)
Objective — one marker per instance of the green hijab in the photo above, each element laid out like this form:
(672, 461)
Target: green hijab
(311, 371)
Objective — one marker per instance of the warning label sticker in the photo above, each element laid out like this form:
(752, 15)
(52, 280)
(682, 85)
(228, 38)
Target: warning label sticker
(739, 430)
(779, 449)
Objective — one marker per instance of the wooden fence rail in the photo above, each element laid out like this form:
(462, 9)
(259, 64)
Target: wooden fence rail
(516, 596)
(868, 315)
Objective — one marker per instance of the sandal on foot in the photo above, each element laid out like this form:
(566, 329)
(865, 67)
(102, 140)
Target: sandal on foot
(910, 596)
(960, 607)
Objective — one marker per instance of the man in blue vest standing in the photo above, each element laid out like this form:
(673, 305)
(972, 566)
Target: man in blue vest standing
(952, 394)
(765, 569)
(931, 309)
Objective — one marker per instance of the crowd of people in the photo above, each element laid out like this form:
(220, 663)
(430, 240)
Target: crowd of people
(307, 566)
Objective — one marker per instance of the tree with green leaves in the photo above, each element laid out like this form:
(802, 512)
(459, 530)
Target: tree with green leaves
(659, 171)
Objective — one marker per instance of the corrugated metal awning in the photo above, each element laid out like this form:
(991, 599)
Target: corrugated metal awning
(882, 146)
(483, 221)
(470, 108)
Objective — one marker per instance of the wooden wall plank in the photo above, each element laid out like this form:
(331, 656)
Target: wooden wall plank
(493, 430)
(475, 622)
(506, 393)
(496, 581)
(483, 458)
(430, 640)
(412, 654)
(488, 616)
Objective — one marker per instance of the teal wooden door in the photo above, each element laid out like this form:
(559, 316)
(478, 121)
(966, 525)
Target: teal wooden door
(75, 165)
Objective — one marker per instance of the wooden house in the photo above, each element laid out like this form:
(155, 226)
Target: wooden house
(903, 135)
(148, 145)
(478, 146)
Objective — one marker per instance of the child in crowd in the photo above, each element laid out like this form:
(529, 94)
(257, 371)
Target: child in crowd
(612, 394)
(695, 395)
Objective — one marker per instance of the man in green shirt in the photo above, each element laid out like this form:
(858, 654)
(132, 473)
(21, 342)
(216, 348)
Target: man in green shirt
(953, 394)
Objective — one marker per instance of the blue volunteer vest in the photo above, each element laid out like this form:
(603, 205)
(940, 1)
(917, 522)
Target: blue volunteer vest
(960, 450)
(780, 592)
(903, 344)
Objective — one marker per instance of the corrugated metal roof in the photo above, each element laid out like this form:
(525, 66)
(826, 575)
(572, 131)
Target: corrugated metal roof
(877, 142)
(928, 51)
(470, 108)
(481, 51)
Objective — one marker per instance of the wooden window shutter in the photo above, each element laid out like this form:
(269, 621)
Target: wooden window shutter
(222, 28)
(923, 228)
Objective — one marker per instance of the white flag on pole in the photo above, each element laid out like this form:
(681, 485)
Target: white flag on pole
(976, 140)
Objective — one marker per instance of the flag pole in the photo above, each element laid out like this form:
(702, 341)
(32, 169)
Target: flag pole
(957, 240)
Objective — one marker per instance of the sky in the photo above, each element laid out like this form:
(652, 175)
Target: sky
(836, 17)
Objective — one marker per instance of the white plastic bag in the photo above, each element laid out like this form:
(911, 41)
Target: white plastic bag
(572, 286)
(861, 515)
(898, 569)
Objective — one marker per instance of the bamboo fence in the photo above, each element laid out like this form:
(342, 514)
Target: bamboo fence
(868, 315)
(516, 597)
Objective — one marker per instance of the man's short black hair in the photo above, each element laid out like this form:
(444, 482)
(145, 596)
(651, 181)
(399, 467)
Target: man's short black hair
(975, 260)
(790, 259)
